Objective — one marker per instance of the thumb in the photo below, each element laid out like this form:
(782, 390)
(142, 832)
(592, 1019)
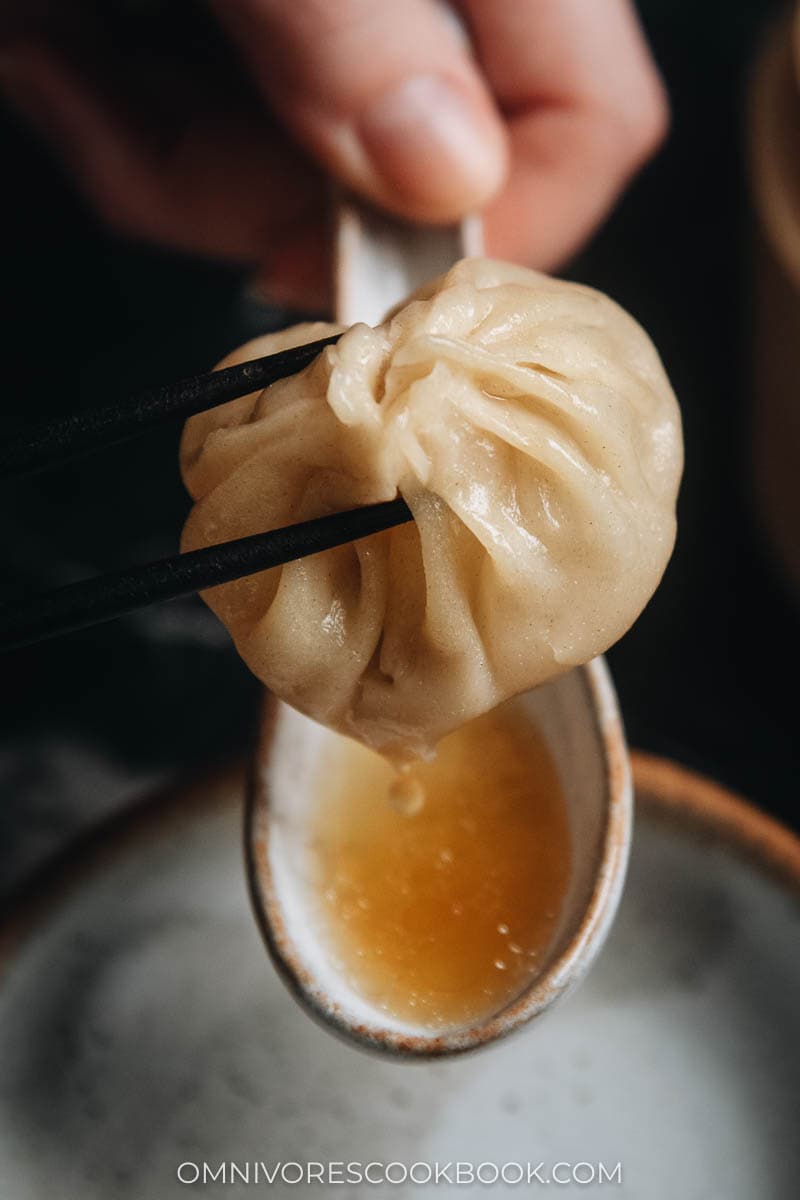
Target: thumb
(384, 95)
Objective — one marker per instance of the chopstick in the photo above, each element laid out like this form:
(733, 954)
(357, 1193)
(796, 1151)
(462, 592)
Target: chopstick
(54, 442)
(93, 601)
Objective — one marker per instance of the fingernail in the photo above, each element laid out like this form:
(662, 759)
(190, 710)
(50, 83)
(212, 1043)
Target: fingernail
(433, 144)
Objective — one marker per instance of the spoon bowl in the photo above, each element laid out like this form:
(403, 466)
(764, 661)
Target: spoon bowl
(578, 717)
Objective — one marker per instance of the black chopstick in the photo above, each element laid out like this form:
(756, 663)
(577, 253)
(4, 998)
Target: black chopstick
(92, 601)
(54, 442)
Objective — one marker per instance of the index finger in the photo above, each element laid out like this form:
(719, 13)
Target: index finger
(585, 108)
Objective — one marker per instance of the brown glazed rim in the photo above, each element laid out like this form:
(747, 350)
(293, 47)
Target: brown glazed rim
(664, 790)
(164, 811)
(566, 969)
(681, 797)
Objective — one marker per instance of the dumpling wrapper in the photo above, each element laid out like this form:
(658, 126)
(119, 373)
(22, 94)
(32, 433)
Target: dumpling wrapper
(530, 426)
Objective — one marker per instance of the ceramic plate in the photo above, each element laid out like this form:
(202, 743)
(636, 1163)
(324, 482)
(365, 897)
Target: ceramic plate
(144, 1035)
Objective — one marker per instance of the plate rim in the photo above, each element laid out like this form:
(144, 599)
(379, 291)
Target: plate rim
(707, 809)
(676, 794)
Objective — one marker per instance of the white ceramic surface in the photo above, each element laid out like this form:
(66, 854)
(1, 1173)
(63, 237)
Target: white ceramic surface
(380, 260)
(578, 717)
(141, 1027)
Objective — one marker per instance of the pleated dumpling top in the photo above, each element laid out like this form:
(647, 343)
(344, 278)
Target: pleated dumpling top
(530, 426)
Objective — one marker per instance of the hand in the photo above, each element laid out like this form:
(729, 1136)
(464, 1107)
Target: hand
(541, 125)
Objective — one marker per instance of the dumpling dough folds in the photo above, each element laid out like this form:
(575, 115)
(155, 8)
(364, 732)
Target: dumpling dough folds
(531, 428)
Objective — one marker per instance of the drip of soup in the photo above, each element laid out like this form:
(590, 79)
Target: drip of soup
(440, 892)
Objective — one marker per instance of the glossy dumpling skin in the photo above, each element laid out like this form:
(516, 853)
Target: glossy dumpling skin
(530, 426)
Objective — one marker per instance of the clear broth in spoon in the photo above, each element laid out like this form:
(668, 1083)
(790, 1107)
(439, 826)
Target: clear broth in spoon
(441, 912)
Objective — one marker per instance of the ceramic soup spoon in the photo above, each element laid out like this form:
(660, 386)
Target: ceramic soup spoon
(380, 262)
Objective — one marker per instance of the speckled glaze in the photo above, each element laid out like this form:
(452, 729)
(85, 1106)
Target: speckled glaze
(141, 1026)
(711, 812)
(579, 719)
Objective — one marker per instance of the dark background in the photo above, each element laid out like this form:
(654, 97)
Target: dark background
(88, 721)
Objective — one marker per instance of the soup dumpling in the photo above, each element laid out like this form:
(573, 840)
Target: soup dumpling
(530, 426)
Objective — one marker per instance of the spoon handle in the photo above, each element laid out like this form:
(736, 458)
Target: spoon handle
(379, 259)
